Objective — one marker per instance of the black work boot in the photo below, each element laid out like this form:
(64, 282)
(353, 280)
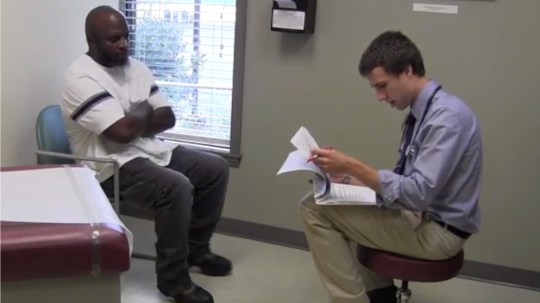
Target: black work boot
(188, 292)
(211, 264)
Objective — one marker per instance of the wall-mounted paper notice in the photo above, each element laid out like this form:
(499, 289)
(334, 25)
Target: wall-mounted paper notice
(288, 19)
(435, 8)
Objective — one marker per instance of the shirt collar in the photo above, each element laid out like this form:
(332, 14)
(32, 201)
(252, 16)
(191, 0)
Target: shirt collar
(419, 105)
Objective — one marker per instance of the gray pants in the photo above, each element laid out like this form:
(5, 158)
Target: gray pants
(187, 197)
(333, 231)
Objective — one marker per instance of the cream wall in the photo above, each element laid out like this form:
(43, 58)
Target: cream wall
(39, 40)
(487, 54)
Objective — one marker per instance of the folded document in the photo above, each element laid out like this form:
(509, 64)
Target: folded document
(325, 192)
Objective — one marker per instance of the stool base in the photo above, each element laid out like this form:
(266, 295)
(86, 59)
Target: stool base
(404, 293)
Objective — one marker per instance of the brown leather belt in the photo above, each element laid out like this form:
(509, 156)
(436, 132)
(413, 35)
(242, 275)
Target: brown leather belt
(458, 232)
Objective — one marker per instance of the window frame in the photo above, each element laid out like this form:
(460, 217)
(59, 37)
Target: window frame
(232, 154)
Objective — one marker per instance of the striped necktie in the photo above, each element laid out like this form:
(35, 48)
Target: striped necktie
(406, 137)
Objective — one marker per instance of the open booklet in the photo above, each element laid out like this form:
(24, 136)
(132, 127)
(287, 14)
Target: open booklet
(325, 192)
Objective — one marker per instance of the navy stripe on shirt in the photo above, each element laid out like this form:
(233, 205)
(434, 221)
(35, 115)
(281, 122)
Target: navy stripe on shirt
(153, 89)
(88, 104)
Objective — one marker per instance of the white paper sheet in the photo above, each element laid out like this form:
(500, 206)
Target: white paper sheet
(56, 195)
(287, 19)
(304, 142)
(297, 161)
(435, 8)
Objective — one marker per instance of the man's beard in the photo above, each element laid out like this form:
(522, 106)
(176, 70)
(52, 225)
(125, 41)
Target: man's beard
(111, 60)
(116, 61)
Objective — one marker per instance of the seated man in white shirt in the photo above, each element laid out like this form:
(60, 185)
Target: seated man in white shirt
(113, 109)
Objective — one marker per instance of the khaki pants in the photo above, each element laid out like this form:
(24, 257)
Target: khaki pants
(333, 231)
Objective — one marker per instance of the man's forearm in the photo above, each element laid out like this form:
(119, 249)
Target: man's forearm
(131, 126)
(141, 118)
(162, 120)
(365, 174)
(154, 127)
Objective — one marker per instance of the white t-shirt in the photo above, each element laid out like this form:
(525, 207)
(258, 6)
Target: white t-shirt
(95, 97)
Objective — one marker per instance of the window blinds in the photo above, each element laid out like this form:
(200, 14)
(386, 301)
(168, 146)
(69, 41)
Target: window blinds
(189, 46)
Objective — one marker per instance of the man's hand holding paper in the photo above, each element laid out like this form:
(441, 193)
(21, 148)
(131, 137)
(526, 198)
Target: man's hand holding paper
(330, 160)
(332, 184)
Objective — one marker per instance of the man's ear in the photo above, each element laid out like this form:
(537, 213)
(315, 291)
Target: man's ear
(91, 39)
(408, 70)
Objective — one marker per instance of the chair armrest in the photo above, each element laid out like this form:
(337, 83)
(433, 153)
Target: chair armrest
(116, 173)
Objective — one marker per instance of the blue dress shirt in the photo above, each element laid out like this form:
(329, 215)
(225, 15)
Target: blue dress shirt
(443, 170)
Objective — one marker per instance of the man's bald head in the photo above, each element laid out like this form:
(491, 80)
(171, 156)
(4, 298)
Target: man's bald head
(100, 18)
(107, 36)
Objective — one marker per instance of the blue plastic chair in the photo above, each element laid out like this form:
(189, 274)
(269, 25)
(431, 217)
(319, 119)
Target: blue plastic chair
(51, 136)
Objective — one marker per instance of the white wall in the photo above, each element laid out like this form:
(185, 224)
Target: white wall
(39, 40)
(0, 77)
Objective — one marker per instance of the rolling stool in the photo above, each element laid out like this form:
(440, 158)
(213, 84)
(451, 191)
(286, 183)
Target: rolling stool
(408, 269)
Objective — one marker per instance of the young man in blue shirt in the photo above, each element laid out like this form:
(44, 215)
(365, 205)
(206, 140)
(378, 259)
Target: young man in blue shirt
(427, 205)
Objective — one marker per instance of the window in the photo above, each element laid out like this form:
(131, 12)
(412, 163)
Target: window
(195, 48)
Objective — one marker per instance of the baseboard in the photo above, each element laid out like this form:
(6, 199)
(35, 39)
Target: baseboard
(296, 239)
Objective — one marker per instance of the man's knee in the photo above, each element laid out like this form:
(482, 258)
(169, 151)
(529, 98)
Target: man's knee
(215, 166)
(312, 213)
(307, 202)
(306, 206)
(219, 165)
(173, 186)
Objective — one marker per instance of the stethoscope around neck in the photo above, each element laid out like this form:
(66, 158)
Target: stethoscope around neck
(410, 150)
